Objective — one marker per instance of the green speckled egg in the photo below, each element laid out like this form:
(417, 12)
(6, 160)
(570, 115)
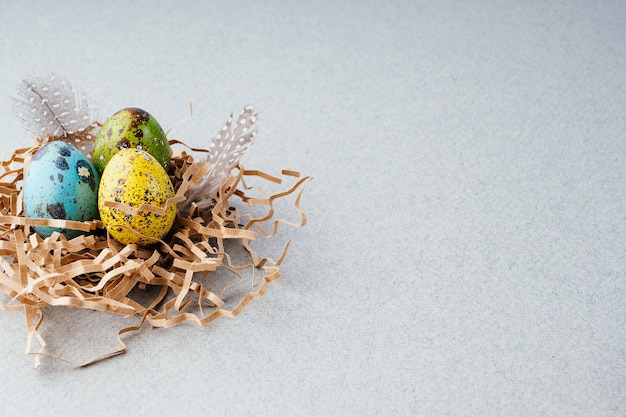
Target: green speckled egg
(134, 177)
(131, 128)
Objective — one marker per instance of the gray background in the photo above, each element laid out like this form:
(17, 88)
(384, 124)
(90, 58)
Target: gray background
(467, 227)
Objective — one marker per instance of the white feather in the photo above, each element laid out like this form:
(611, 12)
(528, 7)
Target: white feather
(226, 150)
(50, 106)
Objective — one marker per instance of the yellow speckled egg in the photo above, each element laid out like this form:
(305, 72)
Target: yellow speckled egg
(134, 177)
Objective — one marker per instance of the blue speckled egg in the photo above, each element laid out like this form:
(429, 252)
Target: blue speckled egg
(60, 183)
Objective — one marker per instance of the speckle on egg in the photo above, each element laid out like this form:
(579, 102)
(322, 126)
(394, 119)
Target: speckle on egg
(61, 163)
(86, 173)
(56, 210)
(65, 151)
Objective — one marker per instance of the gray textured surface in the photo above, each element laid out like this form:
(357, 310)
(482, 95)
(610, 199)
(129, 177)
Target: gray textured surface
(467, 225)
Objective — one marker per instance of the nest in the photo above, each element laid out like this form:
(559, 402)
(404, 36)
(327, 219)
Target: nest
(94, 271)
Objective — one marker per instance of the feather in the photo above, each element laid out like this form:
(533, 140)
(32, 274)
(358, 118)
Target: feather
(226, 150)
(51, 109)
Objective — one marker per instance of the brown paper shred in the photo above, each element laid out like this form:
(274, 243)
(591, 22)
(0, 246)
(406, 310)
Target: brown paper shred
(94, 271)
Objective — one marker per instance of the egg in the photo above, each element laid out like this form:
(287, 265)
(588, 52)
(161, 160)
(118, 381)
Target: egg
(131, 128)
(134, 177)
(60, 183)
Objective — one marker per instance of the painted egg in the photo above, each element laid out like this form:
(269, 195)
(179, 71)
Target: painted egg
(60, 183)
(131, 128)
(134, 177)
